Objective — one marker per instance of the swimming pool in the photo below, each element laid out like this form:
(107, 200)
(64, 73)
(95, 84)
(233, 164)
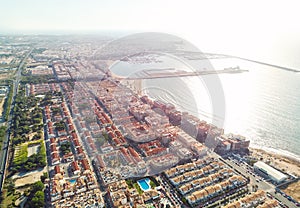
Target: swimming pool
(144, 184)
(72, 181)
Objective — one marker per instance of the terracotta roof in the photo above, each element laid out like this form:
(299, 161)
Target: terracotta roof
(85, 164)
(75, 166)
(57, 169)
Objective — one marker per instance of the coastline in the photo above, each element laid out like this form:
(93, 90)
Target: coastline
(291, 153)
(282, 162)
(279, 158)
(280, 152)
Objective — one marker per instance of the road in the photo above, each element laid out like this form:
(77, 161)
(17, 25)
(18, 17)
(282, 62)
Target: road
(169, 191)
(247, 171)
(4, 152)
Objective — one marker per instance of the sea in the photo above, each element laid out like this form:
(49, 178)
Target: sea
(262, 103)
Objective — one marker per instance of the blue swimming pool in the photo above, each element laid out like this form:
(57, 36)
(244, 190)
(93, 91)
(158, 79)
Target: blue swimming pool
(72, 181)
(144, 184)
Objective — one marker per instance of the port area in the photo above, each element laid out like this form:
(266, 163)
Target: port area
(172, 72)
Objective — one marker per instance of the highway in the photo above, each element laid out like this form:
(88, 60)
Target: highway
(5, 149)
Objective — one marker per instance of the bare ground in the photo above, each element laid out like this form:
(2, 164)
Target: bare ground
(1, 104)
(282, 163)
(293, 190)
(29, 177)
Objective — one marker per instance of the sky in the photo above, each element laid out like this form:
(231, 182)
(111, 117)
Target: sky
(228, 26)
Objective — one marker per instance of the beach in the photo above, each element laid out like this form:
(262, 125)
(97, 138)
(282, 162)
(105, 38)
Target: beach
(281, 162)
(293, 190)
(285, 164)
(254, 105)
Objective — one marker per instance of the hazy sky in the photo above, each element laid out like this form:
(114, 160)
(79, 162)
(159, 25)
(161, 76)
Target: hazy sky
(223, 25)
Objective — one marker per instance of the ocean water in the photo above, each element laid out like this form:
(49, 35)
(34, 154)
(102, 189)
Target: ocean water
(262, 104)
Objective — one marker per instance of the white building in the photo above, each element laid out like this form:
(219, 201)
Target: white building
(199, 149)
(271, 172)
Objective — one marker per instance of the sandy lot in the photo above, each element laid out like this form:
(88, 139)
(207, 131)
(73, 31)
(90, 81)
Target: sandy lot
(6, 74)
(282, 163)
(29, 177)
(1, 104)
(293, 190)
(33, 150)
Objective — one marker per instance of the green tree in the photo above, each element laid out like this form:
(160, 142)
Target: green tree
(44, 177)
(65, 148)
(152, 184)
(38, 200)
(10, 185)
(37, 186)
(60, 126)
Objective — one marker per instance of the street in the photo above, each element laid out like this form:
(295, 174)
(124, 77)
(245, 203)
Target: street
(6, 141)
(247, 171)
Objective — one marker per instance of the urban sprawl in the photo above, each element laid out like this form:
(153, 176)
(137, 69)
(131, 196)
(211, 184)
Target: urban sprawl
(78, 137)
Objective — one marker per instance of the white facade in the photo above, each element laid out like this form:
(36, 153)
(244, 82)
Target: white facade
(272, 173)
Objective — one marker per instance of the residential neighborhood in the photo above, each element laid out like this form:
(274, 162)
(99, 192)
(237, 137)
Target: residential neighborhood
(76, 135)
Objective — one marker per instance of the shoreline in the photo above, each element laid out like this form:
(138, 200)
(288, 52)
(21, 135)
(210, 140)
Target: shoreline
(282, 162)
(268, 152)
(278, 152)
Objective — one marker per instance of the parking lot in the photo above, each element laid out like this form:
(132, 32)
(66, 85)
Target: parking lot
(259, 182)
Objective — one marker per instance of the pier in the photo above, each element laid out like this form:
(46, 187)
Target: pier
(171, 72)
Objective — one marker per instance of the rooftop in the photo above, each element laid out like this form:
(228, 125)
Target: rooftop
(270, 171)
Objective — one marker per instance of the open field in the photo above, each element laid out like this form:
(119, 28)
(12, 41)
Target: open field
(282, 163)
(20, 155)
(29, 177)
(293, 190)
(33, 149)
(6, 75)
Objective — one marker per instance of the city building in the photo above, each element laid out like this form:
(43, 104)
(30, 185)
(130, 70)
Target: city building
(270, 172)
(232, 142)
